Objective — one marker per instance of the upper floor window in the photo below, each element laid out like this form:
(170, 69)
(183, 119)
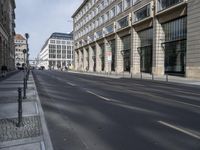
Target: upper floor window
(107, 16)
(113, 12)
(119, 7)
(122, 23)
(99, 34)
(109, 29)
(142, 13)
(136, 1)
(127, 3)
(164, 4)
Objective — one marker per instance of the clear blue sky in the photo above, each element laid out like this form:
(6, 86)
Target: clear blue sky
(40, 18)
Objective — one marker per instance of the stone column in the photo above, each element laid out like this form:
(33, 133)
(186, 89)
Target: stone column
(75, 60)
(91, 61)
(81, 60)
(118, 56)
(135, 56)
(84, 59)
(193, 40)
(107, 55)
(158, 51)
(98, 58)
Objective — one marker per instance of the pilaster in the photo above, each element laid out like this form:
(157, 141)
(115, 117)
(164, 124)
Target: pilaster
(118, 55)
(135, 56)
(158, 51)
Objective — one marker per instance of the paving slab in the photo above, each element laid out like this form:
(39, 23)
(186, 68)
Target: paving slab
(9, 110)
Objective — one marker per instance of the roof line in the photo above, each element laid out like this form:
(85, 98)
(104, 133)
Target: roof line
(81, 6)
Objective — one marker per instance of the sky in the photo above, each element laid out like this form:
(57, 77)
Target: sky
(40, 18)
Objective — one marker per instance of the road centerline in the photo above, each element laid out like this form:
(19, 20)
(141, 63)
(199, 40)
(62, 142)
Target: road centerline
(179, 129)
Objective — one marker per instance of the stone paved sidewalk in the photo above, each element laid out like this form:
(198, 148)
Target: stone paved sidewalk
(33, 135)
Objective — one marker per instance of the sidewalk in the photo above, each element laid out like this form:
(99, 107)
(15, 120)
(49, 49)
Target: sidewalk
(144, 76)
(33, 135)
(10, 73)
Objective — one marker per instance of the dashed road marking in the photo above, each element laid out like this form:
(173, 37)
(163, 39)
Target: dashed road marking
(102, 97)
(179, 129)
(72, 84)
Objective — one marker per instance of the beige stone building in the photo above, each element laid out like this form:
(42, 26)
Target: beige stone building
(20, 46)
(7, 32)
(152, 36)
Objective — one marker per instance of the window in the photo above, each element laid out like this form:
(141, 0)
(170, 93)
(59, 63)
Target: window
(119, 8)
(123, 22)
(164, 4)
(107, 16)
(142, 13)
(136, 1)
(99, 34)
(175, 30)
(145, 49)
(127, 3)
(113, 12)
(175, 45)
(102, 19)
(52, 41)
(109, 29)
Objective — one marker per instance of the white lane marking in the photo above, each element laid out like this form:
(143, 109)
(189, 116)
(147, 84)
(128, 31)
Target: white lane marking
(36, 107)
(102, 97)
(71, 84)
(180, 130)
(193, 105)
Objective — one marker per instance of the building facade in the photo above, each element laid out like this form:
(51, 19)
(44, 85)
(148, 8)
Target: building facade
(152, 36)
(20, 46)
(57, 52)
(7, 33)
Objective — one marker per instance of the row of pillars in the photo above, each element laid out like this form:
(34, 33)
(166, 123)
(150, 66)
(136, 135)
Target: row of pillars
(89, 57)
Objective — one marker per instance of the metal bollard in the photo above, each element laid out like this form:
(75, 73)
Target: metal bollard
(131, 75)
(24, 97)
(152, 76)
(167, 78)
(19, 124)
(140, 75)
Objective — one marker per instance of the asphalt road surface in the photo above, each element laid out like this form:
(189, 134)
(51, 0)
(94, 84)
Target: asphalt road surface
(94, 113)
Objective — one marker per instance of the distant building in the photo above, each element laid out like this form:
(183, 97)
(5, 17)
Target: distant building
(151, 36)
(57, 51)
(7, 33)
(20, 46)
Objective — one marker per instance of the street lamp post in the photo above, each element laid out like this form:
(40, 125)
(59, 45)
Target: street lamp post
(24, 51)
(27, 54)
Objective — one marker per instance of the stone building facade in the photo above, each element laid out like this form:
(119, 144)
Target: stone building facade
(57, 52)
(20, 46)
(152, 36)
(7, 33)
